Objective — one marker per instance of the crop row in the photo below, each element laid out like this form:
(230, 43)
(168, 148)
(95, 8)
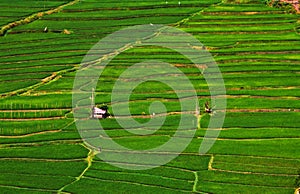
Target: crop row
(44, 136)
(20, 77)
(262, 161)
(142, 179)
(12, 86)
(19, 10)
(95, 185)
(259, 133)
(47, 62)
(249, 179)
(284, 148)
(40, 167)
(121, 14)
(35, 69)
(218, 186)
(65, 84)
(252, 168)
(134, 5)
(31, 114)
(259, 119)
(47, 183)
(59, 151)
(31, 126)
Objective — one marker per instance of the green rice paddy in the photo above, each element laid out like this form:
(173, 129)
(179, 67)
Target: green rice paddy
(256, 47)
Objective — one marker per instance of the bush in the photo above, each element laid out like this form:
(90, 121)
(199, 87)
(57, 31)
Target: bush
(282, 5)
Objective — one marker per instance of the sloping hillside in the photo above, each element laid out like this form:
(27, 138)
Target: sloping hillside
(255, 46)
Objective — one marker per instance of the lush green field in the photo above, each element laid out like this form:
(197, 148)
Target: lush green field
(256, 47)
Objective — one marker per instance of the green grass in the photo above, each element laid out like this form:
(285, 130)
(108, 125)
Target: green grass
(284, 148)
(108, 186)
(54, 168)
(9, 189)
(258, 168)
(271, 92)
(262, 120)
(37, 102)
(257, 120)
(44, 137)
(263, 161)
(217, 187)
(36, 114)
(255, 103)
(260, 133)
(15, 85)
(141, 179)
(10, 12)
(34, 181)
(31, 126)
(250, 179)
(45, 151)
(166, 171)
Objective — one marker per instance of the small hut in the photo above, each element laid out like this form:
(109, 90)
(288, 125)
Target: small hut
(99, 113)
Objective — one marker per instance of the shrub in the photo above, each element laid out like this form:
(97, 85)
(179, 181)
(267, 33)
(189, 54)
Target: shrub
(282, 5)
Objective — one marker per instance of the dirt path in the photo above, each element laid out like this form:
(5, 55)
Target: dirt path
(89, 160)
(33, 17)
(195, 182)
(211, 163)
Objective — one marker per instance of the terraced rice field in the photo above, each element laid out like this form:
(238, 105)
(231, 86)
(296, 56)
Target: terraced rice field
(256, 47)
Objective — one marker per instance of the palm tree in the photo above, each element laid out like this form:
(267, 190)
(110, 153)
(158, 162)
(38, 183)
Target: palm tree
(207, 108)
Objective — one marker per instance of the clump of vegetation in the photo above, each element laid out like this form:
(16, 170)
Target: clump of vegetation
(104, 107)
(288, 7)
(297, 182)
